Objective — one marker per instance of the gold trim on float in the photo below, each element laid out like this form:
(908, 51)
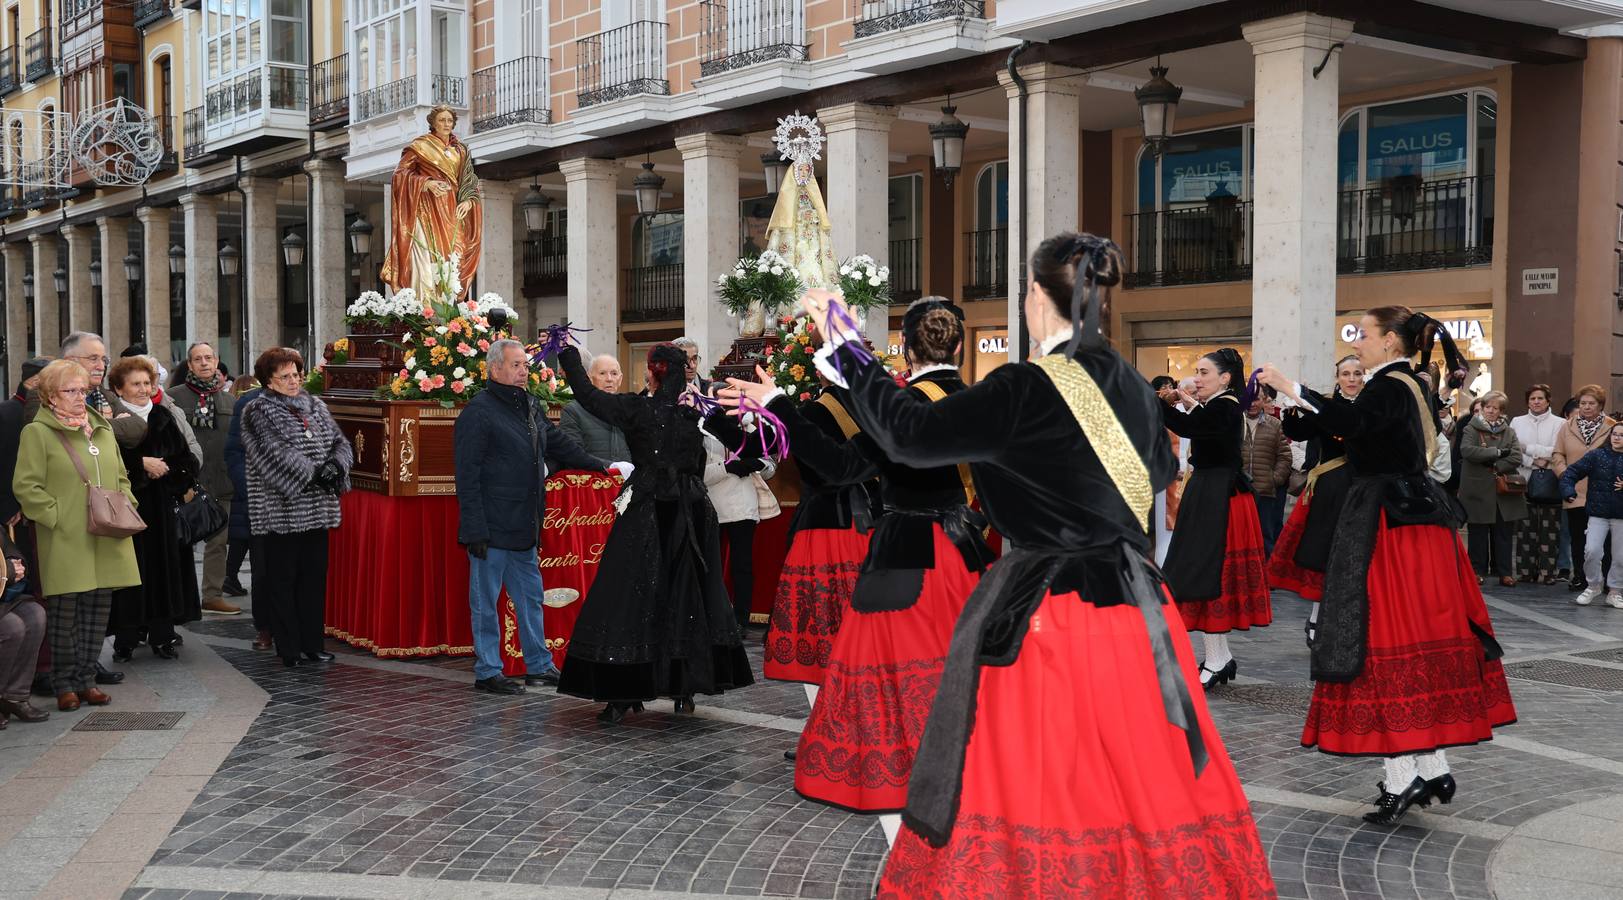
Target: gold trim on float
(367, 411)
(426, 489)
(396, 652)
(440, 413)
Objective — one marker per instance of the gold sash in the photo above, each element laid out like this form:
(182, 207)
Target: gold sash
(842, 418)
(1104, 431)
(936, 392)
(1319, 470)
(1426, 429)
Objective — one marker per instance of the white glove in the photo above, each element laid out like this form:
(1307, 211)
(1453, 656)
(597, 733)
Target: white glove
(624, 468)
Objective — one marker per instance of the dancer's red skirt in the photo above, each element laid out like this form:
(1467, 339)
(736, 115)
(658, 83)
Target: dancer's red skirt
(1426, 684)
(857, 748)
(1283, 572)
(814, 593)
(1075, 784)
(1244, 602)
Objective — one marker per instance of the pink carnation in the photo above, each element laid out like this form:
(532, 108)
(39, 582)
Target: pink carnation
(428, 311)
(404, 374)
(425, 385)
(457, 388)
(455, 326)
(484, 345)
(463, 348)
(430, 342)
(439, 381)
(805, 395)
(546, 372)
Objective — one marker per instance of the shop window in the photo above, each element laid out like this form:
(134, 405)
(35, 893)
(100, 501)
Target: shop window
(992, 196)
(657, 240)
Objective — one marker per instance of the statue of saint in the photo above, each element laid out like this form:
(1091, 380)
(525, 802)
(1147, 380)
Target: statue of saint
(436, 209)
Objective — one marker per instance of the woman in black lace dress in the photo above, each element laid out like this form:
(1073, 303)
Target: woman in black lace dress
(657, 621)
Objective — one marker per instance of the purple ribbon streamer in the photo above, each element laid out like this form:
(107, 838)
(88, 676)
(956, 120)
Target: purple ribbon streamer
(554, 338)
(769, 429)
(841, 319)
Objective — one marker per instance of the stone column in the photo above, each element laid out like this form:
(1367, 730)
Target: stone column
(155, 280)
(115, 290)
(594, 251)
(709, 239)
(1293, 248)
(201, 212)
(325, 250)
(497, 265)
(17, 350)
(858, 184)
(262, 265)
(81, 296)
(47, 315)
(1052, 192)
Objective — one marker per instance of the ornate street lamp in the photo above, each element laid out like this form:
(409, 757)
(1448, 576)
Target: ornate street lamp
(647, 186)
(132, 267)
(1158, 107)
(947, 140)
(177, 259)
(293, 249)
(776, 168)
(95, 273)
(59, 278)
(535, 205)
(230, 260)
(28, 286)
(360, 236)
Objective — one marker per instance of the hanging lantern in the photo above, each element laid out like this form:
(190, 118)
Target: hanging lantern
(230, 260)
(177, 259)
(293, 249)
(1158, 108)
(132, 267)
(947, 140)
(360, 236)
(648, 185)
(1403, 193)
(535, 206)
(95, 273)
(59, 278)
(776, 169)
(28, 286)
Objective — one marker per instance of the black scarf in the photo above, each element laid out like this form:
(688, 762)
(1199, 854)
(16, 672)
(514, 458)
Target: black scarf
(203, 415)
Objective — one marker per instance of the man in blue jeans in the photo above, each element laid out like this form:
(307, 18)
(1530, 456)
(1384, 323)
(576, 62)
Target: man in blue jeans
(504, 445)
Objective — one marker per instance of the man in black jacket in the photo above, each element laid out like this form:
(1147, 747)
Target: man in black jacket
(504, 444)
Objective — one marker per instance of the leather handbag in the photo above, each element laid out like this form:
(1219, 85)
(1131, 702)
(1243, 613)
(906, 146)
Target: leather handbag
(1543, 488)
(108, 513)
(1509, 484)
(198, 516)
(765, 500)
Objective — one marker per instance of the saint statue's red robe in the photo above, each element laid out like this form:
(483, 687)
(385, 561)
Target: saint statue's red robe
(424, 225)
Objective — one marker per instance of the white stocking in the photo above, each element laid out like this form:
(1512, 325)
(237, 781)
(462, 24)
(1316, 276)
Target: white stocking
(1400, 773)
(892, 824)
(1217, 651)
(811, 694)
(1313, 615)
(1431, 766)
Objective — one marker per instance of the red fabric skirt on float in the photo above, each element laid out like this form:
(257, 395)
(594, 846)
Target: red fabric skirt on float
(814, 596)
(1075, 784)
(1426, 684)
(1283, 571)
(1244, 602)
(856, 751)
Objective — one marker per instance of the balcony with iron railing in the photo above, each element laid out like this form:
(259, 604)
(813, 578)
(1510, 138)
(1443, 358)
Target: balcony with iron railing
(653, 293)
(739, 33)
(10, 80)
(329, 92)
(986, 257)
(906, 266)
(546, 264)
(194, 135)
(510, 93)
(385, 99)
(1405, 224)
(883, 16)
(165, 133)
(450, 90)
(149, 11)
(40, 55)
(622, 62)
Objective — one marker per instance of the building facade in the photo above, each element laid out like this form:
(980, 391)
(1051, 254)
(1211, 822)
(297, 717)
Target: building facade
(1459, 156)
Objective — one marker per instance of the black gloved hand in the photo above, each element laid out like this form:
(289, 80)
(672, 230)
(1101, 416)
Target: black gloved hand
(328, 476)
(1504, 452)
(744, 467)
(478, 549)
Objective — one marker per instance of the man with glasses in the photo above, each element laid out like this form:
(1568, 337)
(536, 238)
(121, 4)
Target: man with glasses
(203, 395)
(691, 348)
(90, 351)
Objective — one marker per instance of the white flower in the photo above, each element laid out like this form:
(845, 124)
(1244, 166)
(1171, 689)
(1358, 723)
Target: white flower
(721, 279)
(777, 270)
(467, 382)
(458, 372)
(356, 309)
(874, 281)
(440, 329)
(411, 360)
(732, 313)
(845, 270)
(738, 273)
(421, 375)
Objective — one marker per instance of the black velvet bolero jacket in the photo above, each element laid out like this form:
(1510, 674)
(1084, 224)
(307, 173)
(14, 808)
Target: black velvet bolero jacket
(1382, 426)
(1214, 430)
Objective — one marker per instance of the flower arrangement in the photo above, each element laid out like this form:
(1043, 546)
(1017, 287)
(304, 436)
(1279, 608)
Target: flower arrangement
(445, 351)
(789, 359)
(546, 383)
(864, 283)
(372, 308)
(767, 279)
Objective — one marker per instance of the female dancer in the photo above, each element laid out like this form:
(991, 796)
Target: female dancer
(1065, 754)
(657, 621)
(1303, 550)
(827, 542)
(1404, 654)
(1215, 570)
(858, 745)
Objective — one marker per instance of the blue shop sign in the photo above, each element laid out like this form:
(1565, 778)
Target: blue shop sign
(1419, 145)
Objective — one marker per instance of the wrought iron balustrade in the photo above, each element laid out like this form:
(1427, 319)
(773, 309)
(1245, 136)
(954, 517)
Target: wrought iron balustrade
(329, 91)
(41, 60)
(622, 62)
(1196, 245)
(881, 16)
(510, 93)
(546, 263)
(149, 11)
(653, 292)
(10, 80)
(987, 257)
(384, 99)
(451, 90)
(1406, 223)
(906, 261)
(739, 33)
(195, 134)
(289, 88)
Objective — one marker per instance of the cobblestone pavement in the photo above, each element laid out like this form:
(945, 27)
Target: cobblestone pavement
(371, 778)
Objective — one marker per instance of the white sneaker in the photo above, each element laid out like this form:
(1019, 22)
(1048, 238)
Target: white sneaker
(1588, 596)
(1616, 599)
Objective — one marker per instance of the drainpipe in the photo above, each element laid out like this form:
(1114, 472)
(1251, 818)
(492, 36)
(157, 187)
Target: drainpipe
(242, 271)
(310, 192)
(1022, 336)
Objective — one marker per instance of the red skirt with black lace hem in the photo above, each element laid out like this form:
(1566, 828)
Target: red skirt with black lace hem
(1244, 602)
(814, 595)
(1075, 784)
(1283, 572)
(1426, 683)
(856, 751)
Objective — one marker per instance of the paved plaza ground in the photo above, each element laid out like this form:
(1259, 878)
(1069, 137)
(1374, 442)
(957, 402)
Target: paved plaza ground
(372, 778)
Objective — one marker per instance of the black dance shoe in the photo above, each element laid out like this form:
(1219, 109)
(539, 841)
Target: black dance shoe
(614, 713)
(789, 755)
(684, 704)
(125, 654)
(103, 676)
(166, 651)
(319, 656)
(1391, 807)
(290, 661)
(1441, 789)
(1220, 676)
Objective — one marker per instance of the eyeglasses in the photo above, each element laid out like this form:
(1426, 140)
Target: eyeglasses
(91, 359)
(74, 392)
(287, 376)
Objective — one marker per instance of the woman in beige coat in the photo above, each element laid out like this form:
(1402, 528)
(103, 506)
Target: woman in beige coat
(1585, 430)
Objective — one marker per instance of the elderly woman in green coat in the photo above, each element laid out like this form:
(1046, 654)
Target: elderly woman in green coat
(1488, 449)
(78, 571)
